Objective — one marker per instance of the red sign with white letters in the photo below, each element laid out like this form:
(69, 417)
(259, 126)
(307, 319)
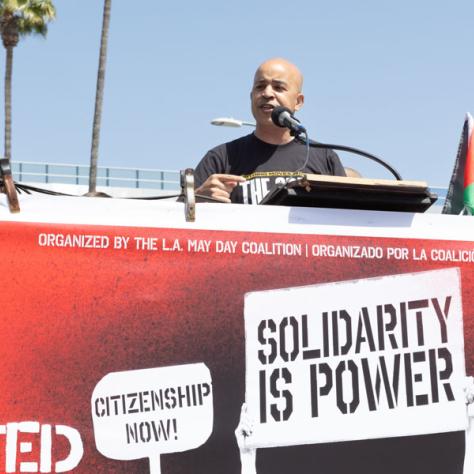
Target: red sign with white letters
(83, 301)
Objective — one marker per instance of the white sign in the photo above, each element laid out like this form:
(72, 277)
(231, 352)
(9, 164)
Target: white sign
(359, 359)
(144, 413)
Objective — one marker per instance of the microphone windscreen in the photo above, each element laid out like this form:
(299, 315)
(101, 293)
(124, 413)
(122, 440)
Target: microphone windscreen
(276, 112)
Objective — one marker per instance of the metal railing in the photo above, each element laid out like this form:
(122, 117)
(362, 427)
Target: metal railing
(441, 192)
(32, 172)
(168, 180)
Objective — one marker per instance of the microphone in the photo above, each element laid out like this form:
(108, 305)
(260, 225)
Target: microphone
(282, 117)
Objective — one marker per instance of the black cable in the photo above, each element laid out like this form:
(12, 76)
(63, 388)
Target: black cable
(208, 198)
(200, 196)
(155, 198)
(356, 151)
(28, 189)
(306, 142)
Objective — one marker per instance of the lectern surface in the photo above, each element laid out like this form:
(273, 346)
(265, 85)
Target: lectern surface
(353, 193)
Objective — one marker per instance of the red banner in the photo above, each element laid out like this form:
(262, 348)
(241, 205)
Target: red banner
(80, 302)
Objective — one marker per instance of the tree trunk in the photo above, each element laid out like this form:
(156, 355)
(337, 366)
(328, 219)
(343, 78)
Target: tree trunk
(99, 99)
(8, 102)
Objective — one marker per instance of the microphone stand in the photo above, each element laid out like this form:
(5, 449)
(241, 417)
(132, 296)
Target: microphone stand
(350, 149)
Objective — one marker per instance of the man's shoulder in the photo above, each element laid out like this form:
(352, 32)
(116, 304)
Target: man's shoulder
(224, 158)
(233, 144)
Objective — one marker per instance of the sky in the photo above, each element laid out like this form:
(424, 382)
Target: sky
(392, 78)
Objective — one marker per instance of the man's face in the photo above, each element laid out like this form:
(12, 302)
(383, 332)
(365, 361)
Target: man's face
(275, 84)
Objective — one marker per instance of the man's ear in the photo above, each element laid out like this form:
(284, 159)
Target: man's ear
(299, 101)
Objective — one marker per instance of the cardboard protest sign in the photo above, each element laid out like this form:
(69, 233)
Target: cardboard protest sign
(144, 413)
(358, 359)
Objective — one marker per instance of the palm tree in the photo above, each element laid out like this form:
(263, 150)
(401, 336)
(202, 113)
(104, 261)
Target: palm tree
(20, 18)
(99, 96)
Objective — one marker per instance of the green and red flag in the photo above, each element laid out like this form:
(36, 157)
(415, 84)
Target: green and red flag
(460, 196)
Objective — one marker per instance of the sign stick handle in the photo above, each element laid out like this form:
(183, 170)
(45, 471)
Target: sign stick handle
(155, 465)
(469, 452)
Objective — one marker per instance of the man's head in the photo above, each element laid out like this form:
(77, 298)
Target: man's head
(276, 82)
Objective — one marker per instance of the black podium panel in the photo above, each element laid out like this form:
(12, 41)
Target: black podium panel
(353, 193)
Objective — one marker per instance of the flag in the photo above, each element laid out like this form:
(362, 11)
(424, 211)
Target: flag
(460, 196)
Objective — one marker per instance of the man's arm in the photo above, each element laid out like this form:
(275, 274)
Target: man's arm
(212, 177)
(219, 186)
(335, 164)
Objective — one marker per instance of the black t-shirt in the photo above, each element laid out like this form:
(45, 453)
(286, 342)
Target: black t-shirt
(264, 165)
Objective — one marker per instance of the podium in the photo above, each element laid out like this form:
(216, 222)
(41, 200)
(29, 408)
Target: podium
(353, 193)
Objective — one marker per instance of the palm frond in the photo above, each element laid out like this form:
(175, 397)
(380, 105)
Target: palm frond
(34, 18)
(32, 15)
(27, 27)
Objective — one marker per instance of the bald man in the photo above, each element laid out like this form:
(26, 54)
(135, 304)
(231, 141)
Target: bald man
(244, 170)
